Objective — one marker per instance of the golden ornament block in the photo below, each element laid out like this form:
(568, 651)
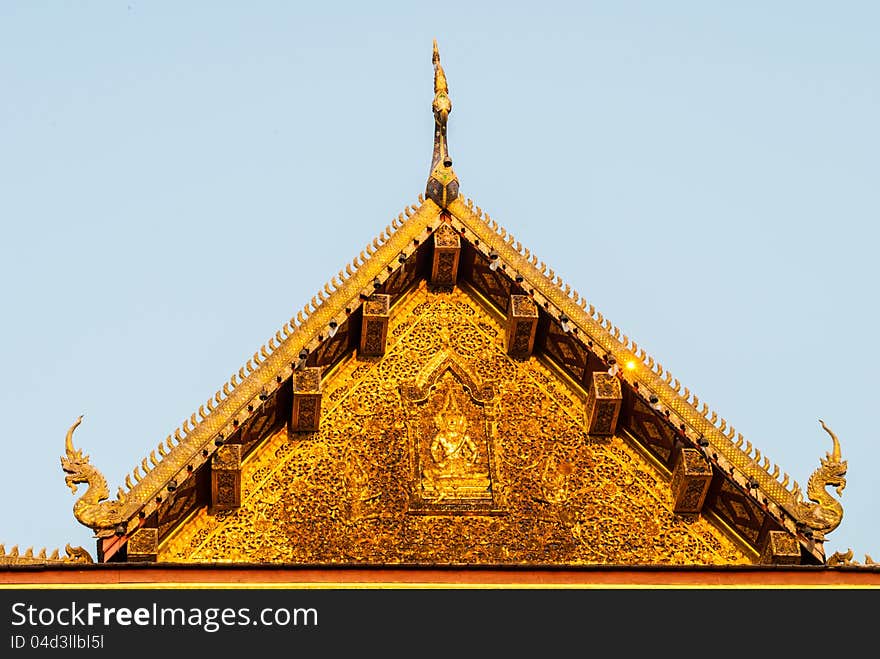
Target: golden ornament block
(447, 250)
(143, 546)
(445, 452)
(603, 404)
(522, 323)
(306, 413)
(374, 327)
(691, 477)
(226, 478)
(781, 548)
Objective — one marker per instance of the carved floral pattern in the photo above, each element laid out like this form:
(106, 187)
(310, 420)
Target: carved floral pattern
(341, 495)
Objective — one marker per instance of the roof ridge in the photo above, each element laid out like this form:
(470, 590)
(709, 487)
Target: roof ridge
(756, 468)
(149, 477)
(287, 330)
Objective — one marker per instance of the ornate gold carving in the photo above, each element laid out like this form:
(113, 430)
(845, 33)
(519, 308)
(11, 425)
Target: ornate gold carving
(447, 248)
(74, 556)
(445, 237)
(225, 490)
(846, 559)
(781, 548)
(451, 467)
(607, 386)
(419, 388)
(603, 404)
(522, 306)
(373, 336)
(143, 545)
(826, 513)
(690, 481)
(377, 305)
(363, 499)
(194, 441)
(374, 325)
(346, 493)
(306, 413)
(307, 381)
(650, 376)
(227, 457)
(226, 478)
(841, 558)
(456, 472)
(522, 323)
(92, 508)
(556, 481)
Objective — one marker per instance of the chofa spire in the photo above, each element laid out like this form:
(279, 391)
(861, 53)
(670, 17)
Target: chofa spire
(442, 186)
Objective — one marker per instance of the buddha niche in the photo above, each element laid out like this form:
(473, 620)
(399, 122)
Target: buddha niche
(455, 472)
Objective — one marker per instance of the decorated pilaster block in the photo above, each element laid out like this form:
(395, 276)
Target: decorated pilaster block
(306, 413)
(143, 545)
(691, 477)
(374, 328)
(781, 548)
(522, 323)
(226, 478)
(447, 249)
(604, 399)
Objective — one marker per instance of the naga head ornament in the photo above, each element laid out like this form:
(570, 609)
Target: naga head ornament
(824, 513)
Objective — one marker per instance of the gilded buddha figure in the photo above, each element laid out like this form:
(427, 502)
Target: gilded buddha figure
(455, 472)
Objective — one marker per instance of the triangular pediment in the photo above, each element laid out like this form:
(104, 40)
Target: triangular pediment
(752, 503)
(447, 450)
(447, 398)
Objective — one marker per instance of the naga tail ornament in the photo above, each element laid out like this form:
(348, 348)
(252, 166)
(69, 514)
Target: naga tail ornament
(15, 557)
(92, 509)
(825, 513)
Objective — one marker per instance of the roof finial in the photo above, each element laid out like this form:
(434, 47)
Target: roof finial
(442, 185)
(442, 104)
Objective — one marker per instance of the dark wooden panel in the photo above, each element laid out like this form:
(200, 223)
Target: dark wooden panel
(654, 433)
(193, 493)
(564, 348)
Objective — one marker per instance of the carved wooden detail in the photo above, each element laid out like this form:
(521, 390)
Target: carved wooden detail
(447, 451)
(781, 548)
(447, 251)
(226, 478)
(374, 329)
(143, 545)
(306, 410)
(603, 404)
(522, 323)
(690, 481)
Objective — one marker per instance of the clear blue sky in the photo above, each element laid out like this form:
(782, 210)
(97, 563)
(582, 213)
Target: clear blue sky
(178, 179)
